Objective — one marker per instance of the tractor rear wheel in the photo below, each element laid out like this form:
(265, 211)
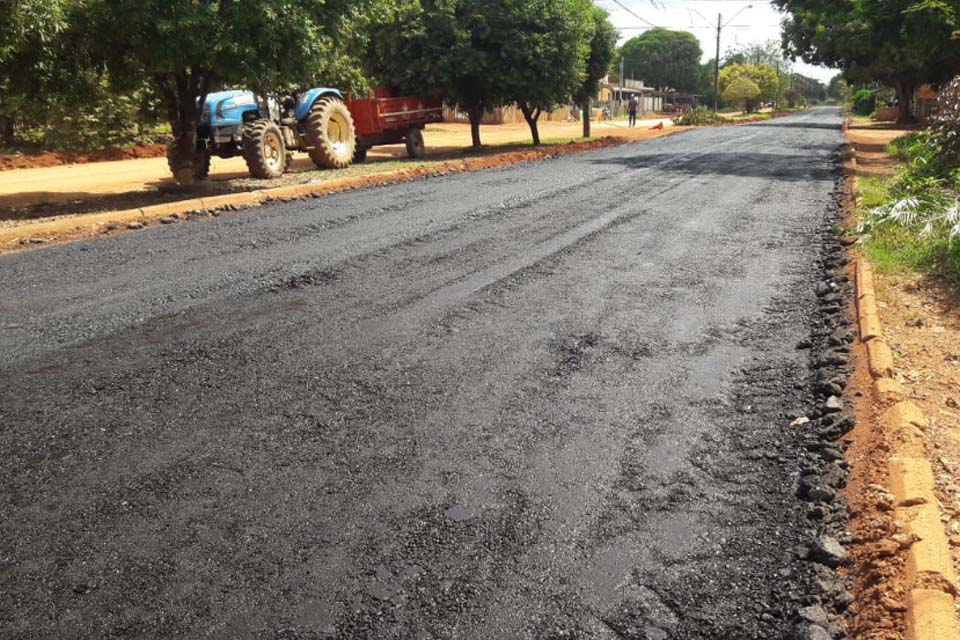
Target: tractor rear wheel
(330, 131)
(415, 145)
(263, 149)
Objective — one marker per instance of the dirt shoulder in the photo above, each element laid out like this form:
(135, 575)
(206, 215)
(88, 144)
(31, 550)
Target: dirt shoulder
(203, 202)
(39, 192)
(919, 317)
(11, 162)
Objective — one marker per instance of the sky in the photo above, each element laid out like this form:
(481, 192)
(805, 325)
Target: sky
(755, 25)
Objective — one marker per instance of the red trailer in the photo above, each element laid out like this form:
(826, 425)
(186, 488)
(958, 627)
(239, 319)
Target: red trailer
(385, 119)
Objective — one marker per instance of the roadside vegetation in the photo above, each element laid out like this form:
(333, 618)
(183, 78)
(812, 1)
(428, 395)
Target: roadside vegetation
(911, 221)
(899, 44)
(94, 74)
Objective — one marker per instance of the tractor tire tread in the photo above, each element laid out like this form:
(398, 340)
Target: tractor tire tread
(253, 134)
(323, 154)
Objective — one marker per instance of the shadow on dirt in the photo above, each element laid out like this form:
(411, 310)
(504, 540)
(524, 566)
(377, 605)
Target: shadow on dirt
(786, 168)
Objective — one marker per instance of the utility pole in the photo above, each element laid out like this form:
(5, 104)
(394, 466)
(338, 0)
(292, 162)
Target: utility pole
(716, 68)
(776, 99)
(622, 82)
(716, 62)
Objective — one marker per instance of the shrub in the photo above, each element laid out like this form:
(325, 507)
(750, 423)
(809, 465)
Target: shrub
(699, 117)
(909, 147)
(864, 102)
(919, 222)
(944, 134)
(927, 214)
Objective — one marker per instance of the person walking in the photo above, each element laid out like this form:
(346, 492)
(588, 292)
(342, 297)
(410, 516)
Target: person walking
(632, 107)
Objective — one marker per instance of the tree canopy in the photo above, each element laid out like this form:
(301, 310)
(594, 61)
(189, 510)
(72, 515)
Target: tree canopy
(602, 49)
(545, 43)
(663, 59)
(483, 53)
(741, 90)
(187, 49)
(763, 76)
(838, 89)
(118, 56)
(901, 43)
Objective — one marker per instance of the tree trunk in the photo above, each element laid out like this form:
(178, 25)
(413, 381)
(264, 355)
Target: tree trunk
(905, 90)
(183, 94)
(476, 114)
(6, 129)
(531, 115)
(587, 105)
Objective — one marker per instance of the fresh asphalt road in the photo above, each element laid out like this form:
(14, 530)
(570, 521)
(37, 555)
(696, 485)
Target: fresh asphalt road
(543, 401)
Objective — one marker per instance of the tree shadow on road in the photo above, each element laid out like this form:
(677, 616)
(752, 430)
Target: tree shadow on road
(782, 167)
(797, 125)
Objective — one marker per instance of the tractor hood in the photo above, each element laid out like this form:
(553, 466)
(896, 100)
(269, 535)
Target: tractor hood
(227, 107)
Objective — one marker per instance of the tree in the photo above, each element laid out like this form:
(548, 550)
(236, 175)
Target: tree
(663, 59)
(544, 49)
(483, 53)
(188, 48)
(901, 43)
(705, 82)
(838, 89)
(443, 47)
(603, 46)
(768, 53)
(741, 90)
(763, 76)
(808, 89)
(30, 47)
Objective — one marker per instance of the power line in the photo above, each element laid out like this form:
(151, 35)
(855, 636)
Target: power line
(632, 12)
(679, 27)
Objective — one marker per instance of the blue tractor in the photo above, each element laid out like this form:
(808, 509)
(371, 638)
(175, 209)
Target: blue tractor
(266, 131)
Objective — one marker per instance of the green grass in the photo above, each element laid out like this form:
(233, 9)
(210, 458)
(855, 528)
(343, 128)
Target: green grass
(900, 250)
(907, 147)
(544, 142)
(875, 190)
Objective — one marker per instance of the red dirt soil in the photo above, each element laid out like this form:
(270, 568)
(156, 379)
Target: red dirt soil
(56, 158)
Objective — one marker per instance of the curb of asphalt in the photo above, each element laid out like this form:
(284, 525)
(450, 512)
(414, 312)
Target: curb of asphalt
(930, 575)
(40, 232)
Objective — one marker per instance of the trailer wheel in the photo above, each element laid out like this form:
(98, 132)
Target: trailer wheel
(360, 154)
(263, 149)
(415, 145)
(329, 128)
(201, 162)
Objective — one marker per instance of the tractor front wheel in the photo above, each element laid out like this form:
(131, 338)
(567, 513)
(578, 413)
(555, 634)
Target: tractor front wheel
(360, 154)
(201, 164)
(415, 146)
(331, 134)
(263, 149)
